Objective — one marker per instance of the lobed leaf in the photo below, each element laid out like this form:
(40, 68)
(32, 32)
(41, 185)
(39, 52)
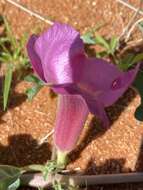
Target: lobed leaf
(31, 92)
(38, 84)
(33, 79)
(100, 40)
(88, 38)
(113, 44)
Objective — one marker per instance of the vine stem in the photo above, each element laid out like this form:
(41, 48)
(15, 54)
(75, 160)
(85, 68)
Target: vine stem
(36, 180)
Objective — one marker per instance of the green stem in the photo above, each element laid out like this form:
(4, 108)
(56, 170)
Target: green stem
(61, 159)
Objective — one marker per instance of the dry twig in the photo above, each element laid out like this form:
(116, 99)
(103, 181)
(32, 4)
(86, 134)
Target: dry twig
(132, 28)
(32, 13)
(130, 6)
(131, 25)
(131, 45)
(44, 139)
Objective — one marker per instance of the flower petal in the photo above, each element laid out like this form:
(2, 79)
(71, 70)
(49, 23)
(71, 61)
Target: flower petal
(118, 87)
(104, 82)
(34, 58)
(97, 109)
(98, 75)
(61, 51)
(71, 115)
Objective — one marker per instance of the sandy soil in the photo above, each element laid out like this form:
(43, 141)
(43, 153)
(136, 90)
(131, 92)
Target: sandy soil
(118, 149)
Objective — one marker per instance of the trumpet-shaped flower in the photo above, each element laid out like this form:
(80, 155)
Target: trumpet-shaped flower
(84, 84)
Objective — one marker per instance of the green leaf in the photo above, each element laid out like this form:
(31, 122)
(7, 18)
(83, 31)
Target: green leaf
(49, 168)
(7, 85)
(3, 47)
(14, 185)
(137, 58)
(139, 113)
(88, 38)
(57, 185)
(113, 44)
(138, 84)
(33, 167)
(125, 61)
(33, 79)
(3, 60)
(38, 84)
(6, 56)
(101, 54)
(4, 39)
(129, 60)
(101, 41)
(10, 34)
(31, 92)
(23, 40)
(9, 177)
(140, 26)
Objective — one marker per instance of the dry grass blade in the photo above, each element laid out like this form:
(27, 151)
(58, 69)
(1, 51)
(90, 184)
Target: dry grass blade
(44, 139)
(129, 6)
(125, 35)
(32, 13)
(132, 28)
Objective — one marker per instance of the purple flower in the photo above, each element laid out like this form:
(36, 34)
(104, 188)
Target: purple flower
(85, 84)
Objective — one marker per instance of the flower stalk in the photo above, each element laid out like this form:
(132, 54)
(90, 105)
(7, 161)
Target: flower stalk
(61, 159)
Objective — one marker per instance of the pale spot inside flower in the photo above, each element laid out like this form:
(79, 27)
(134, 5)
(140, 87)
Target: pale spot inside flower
(116, 84)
